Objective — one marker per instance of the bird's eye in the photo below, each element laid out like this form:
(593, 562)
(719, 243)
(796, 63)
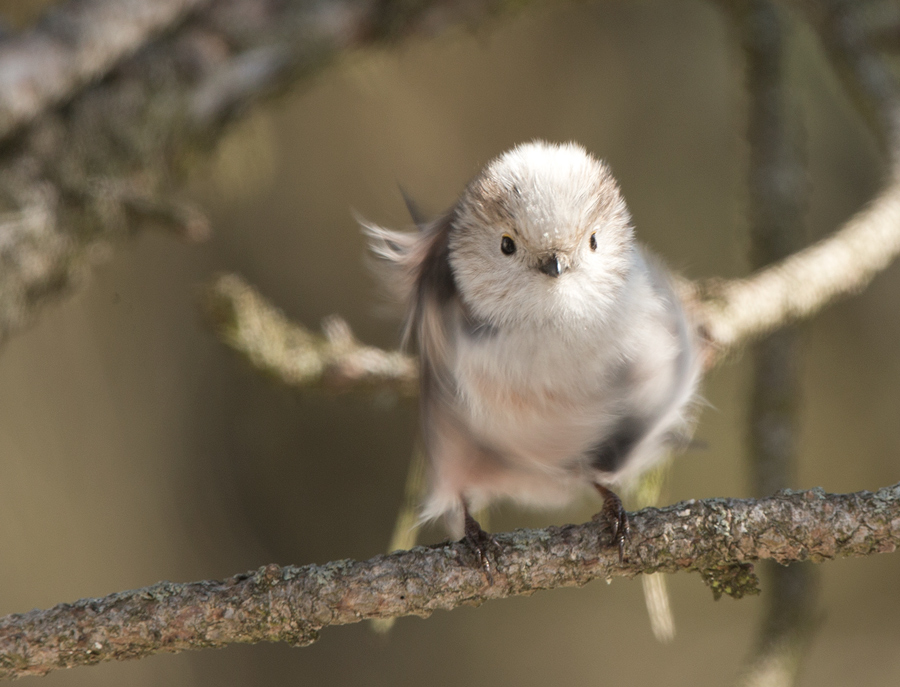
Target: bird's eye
(593, 241)
(507, 245)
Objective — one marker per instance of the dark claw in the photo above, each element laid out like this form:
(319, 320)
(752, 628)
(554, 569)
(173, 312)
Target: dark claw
(482, 543)
(614, 514)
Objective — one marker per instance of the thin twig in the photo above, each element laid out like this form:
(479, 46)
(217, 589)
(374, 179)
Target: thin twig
(334, 360)
(866, 77)
(719, 538)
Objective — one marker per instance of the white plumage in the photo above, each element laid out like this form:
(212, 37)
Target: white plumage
(555, 354)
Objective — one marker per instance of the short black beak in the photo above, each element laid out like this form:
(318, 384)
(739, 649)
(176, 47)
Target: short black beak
(552, 266)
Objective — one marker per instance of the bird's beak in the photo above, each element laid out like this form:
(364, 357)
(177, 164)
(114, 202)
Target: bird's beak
(552, 266)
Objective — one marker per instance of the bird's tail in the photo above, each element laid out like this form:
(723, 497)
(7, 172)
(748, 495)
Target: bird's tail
(656, 594)
(406, 529)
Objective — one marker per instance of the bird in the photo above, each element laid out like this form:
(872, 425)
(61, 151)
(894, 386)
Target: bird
(555, 354)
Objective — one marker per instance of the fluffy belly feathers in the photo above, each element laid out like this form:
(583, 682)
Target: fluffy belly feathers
(544, 417)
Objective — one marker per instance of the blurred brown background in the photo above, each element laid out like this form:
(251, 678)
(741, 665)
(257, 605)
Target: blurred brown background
(134, 447)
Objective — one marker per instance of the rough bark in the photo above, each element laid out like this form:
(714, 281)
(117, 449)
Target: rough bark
(719, 538)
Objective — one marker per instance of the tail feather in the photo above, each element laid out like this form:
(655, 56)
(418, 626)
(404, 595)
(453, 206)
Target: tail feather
(406, 528)
(656, 593)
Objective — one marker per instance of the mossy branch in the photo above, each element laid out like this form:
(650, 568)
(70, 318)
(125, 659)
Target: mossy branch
(719, 538)
(333, 360)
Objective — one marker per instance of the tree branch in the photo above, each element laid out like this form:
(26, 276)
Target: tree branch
(729, 313)
(334, 361)
(850, 47)
(732, 313)
(740, 310)
(777, 202)
(72, 46)
(75, 181)
(718, 538)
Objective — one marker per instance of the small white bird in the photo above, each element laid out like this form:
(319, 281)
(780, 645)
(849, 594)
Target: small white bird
(554, 352)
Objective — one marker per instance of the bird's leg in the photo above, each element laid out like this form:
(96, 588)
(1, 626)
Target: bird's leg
(482, 543)
(614, 514)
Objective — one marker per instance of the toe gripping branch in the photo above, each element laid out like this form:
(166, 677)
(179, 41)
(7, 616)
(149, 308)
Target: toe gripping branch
(482, 543)
(485, 547)
(616, 517)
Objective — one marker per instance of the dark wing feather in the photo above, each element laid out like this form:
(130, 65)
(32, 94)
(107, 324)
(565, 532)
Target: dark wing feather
(434, 297)
(415, 212)
(612, 452)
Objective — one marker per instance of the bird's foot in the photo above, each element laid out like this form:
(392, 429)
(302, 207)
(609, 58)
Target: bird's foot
(483, 544)
(615, 516)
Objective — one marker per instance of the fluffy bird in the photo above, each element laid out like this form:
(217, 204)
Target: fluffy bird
(555, 355)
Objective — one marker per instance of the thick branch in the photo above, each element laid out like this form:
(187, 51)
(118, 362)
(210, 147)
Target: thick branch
(718, 538)
(75, 180)
(73, 45)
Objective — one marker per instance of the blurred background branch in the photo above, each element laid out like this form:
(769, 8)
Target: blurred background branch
(777, 204)
(845, 263)
(718, 538)
(73, 46)
(79, 178)
(731, 313)
(334, 360)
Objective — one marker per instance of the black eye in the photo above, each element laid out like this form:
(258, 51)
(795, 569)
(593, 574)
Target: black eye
(593, 241)
(507, 245)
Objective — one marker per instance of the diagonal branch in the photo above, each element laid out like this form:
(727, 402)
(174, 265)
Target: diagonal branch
(718, 538)
(76, 180)
(798, 287)
(72, 46)
(732, 313)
